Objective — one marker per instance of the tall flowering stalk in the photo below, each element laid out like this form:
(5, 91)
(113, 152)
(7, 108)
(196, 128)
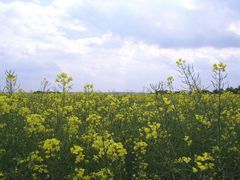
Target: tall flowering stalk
(64, 81)
(218, 83)
(11, 82)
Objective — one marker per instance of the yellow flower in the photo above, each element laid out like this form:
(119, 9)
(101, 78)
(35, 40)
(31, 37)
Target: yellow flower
(103, 174)
(35, 163)
(203, 121)
(146, 130)
(72, 127)
(35, 124)
(151, 132)
(140, 147)
(79, 174)
(107, 146)
(215, 67)
(94, 119)
(34, 157)
(166, 101)
(1, 175)
(194, 170)
(2, 125)
(170, 80)
(180, 62)
(188, 140)
(68, 110)
(4, 107)
(51, 147)
(204, 162)
(220, 66)
(78, 151)
(184, 159)
(24, 111)
(119, 117)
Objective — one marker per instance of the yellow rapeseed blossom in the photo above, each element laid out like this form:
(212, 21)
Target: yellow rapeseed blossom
(78, 151)
(166, 101)
(203, 121)
(68, 111)
(220, 66)
(34, 157)
(51, 147)
(184, 159)
(24, 111)
(180, 62)
(2, 175)
(79, 174)
(2, 125)
(119, 117)
(35, 163)
(4, 107)
(72, 127)
(107, 146)
(188, 140)
(203, 162)
(170, 80)
(35, 124)
(140, 147)
(103, 174)
(116, 151)
(150, 132)
(94, 119)
(194, 170)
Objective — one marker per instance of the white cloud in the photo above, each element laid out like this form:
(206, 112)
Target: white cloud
(234, 28)
(74, 25)
(64, 5)
(29, 20)
(188, 4)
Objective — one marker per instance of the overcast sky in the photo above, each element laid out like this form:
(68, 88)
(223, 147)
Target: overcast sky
(121, 45)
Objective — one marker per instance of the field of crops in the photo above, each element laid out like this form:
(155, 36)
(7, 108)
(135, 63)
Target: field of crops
(190, 134)
(132, 136)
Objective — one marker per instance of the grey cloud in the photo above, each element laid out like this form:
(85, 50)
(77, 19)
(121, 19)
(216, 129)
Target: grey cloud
(178, 27)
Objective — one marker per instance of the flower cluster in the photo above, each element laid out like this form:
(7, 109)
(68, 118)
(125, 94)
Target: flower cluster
(107, 146)
(140, 148)
(35, 124)
(180, 62)
(4, 107)
(204, 121)
(203, 162)
(78, 152)
(51, 147)
(94, 119)
(219, 67)
(150, 132)
(73, 124)
(36, 165)
(184, 159)
(187, 140)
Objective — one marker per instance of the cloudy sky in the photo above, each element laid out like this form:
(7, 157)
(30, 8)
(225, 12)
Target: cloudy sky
(117, 45)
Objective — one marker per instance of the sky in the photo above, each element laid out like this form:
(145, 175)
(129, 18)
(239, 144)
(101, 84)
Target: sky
(117, 45)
